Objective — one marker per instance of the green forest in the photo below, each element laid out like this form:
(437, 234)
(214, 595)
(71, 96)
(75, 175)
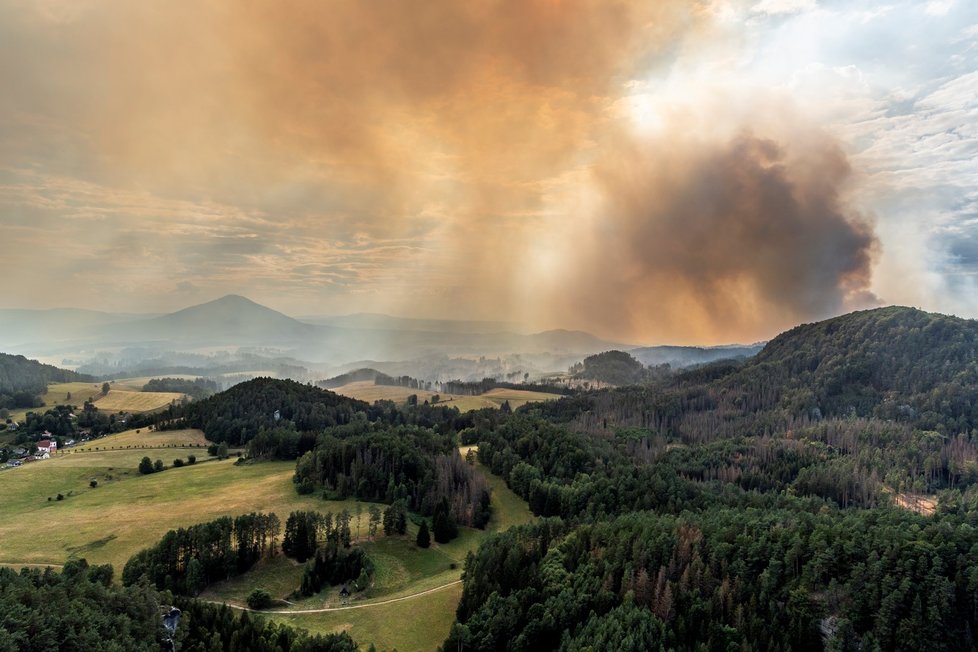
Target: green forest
(770, 503)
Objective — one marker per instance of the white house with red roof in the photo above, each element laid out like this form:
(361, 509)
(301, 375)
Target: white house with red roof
(49, 446)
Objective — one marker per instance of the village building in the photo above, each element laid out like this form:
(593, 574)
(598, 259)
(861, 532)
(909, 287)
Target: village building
(47, 446)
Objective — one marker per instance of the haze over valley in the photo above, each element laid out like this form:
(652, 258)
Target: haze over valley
(530, 325)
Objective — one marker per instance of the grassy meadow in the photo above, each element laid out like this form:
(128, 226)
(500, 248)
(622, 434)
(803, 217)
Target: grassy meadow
(127, 511)
(389, 614)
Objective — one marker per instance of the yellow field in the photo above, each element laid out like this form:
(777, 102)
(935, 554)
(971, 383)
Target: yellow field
(118, 400)
(147, 439)
(367, 391)
(57, 394)
(124, 396)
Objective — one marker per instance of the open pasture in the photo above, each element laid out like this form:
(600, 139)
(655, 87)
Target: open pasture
(119, 400)
(127, 511)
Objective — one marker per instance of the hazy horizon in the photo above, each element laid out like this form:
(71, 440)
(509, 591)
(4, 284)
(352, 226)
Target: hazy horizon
(705, 173)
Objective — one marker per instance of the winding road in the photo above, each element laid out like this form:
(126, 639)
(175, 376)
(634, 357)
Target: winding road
(325, 609)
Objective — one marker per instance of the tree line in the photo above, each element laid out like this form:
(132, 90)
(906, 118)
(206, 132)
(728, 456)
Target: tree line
(186, 560)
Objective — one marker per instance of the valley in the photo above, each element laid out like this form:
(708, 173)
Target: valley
(483, 519)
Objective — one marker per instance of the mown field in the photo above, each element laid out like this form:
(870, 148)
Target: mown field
(367, 391)
(146, 438)
(124, 395)
(120, 400)
(57, 394)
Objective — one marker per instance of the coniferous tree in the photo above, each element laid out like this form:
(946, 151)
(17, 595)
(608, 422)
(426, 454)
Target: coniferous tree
(424, 538)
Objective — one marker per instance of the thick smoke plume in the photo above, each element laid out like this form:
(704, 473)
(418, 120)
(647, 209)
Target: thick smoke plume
(698, 240)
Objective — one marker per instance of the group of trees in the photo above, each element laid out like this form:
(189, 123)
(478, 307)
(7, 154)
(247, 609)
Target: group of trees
(380, 463)
(613, 368)
(80, 608)
(186, 560)
(326, 542)
(334, 565)
(196, 389)
(305, 531)
(726, 579)
(147, 466)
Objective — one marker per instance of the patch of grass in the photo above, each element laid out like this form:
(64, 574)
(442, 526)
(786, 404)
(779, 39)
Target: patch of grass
(127, 511)
(280, 576)
(416, 624)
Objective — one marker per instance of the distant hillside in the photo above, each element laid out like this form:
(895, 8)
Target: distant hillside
(873, 360)
(236, 322)
(688, 356)
(356, 376)
(231, 318)
(892, 363)
(22, 380)
(25, 326)
(374, 321)
(611, 367)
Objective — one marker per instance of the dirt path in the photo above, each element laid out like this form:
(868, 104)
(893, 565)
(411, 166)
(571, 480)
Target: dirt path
(325, 609)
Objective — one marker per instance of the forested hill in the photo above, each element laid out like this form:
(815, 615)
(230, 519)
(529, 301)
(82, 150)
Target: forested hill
(18, 375)
(235, 416)
(894, 363)
(889, 362)
(612, 367)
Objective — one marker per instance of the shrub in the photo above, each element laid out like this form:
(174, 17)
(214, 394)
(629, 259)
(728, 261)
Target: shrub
(158, 466)
(60, 497)
(424, 537)
(93, 483)
(259, 599)
(191, 459)
(177, 463)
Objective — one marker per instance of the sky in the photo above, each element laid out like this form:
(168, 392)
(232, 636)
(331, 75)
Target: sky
(653, 172)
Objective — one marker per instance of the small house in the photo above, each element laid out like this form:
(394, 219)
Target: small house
(47, 446)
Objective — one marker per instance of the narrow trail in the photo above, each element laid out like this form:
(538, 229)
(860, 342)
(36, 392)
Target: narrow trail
(325, 609)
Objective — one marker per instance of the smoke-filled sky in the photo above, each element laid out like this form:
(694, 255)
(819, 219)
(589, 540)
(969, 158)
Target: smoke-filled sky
(652, 171)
